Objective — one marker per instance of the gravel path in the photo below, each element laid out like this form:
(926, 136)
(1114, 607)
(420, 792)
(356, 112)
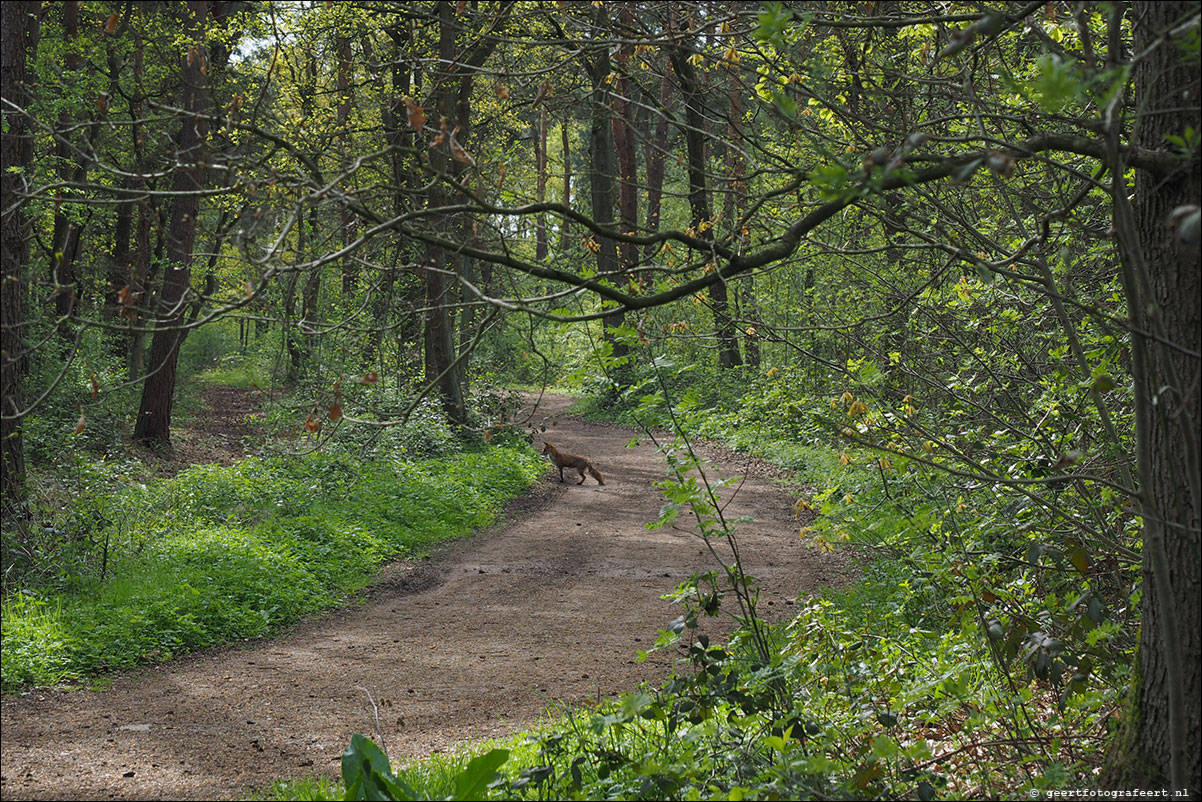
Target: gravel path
(548, 607)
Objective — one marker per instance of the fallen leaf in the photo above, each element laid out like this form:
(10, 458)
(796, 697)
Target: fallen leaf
(415, 113)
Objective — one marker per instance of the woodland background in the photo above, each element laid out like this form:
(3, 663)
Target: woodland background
(941, 259)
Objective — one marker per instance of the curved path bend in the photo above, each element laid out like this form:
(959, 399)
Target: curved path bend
(549, 606)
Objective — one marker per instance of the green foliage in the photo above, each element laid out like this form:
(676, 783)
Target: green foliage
(221, 553)
(205, 347)
(967, 632)
(367, 774)
(307, 789)
(947, 362)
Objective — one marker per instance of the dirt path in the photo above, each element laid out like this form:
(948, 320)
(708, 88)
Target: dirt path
(478, 641)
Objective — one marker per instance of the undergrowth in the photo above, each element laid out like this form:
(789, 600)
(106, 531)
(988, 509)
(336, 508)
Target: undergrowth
(220, 553)
(971, 659)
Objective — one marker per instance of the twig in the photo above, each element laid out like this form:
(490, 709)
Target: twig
(376, 709)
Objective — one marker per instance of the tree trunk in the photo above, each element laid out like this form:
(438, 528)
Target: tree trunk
(398, 137)
(18, 40)
(135, 281)
(655, 159)
(306, 337)
(446, 369)
(734, 209)
(540, 158)
(1162, 740)
(135, 362)
(624, 146)
(603, 173)
(153, 426)
(438, 338)
(65, 239)
(342, 48)
(728, 344)
(564, 229)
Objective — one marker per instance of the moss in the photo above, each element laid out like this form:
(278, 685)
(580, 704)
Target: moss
(1127, 764)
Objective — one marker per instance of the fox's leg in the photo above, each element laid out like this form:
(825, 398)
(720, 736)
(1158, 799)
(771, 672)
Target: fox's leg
(581, 469)
(561, 473)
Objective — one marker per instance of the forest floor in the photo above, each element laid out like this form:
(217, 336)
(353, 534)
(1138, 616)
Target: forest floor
(547, 608)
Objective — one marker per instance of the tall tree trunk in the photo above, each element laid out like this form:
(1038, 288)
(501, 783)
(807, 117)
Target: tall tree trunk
(734, 209)
(442, 293)
(289, 333)
(123, 229)
(397, 135)
(406, 172)
(153, 426)
(540, 158)
(564, 229)
(603, 172)
(65, 239)
(306, 337)
(1163, 721)
(690, 90)
(342, 48)
(137, 277)
(624, 145)
(300, 339)
(439, 329)
(655, 152)
(18, 41)
(123, 232)
(135, 361)
(445, 368)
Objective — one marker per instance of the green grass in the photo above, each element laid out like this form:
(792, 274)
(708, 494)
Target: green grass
(220, 553)
(244, 373)
(317, 789)
(433, 777)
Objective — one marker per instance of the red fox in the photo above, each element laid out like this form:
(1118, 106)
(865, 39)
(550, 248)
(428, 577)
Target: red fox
(564, 460)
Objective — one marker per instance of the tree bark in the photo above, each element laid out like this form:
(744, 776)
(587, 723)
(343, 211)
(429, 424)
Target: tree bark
(564, 229)
(452, 95)
(655, 151)
(342, 49)
(153, 426)
(624, 145)
(135, 281)
(603, 173)
(18, 40)
(540, 158)
(1163, 720)
(65, 239)
(438, 337)
(733, 211)
(728, 344)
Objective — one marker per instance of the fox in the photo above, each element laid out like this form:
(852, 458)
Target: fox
(562, 460)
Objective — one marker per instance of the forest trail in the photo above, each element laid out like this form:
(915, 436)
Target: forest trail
(551, 605)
